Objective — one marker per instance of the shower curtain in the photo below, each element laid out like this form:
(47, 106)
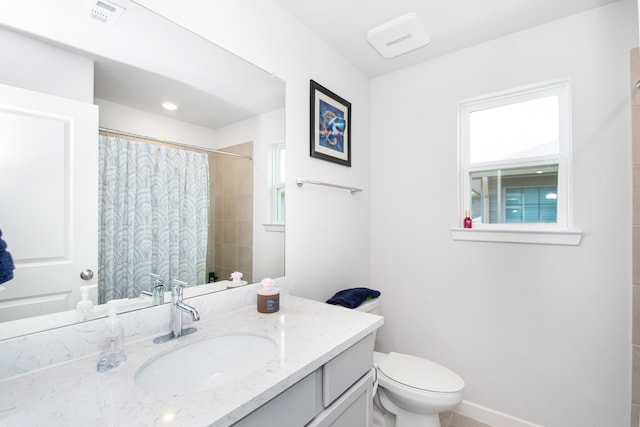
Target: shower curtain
(153, 209)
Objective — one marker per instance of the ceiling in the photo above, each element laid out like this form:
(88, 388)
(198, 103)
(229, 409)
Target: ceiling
(212, 87)
(452, 24)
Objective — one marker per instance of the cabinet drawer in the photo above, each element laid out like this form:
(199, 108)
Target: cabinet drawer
(293, 407)
(353, 409)
(344, 370)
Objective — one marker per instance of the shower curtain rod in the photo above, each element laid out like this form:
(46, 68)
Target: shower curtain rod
(179, 144)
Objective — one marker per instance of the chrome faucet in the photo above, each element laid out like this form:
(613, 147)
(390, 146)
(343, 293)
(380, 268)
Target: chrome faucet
(158, 290)
(176, 310)
(177, 306)
(157, 294)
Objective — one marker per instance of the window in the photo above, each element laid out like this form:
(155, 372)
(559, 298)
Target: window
(515, 158)
(277, 184)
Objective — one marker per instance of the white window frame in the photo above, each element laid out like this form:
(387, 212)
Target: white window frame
(561, 232)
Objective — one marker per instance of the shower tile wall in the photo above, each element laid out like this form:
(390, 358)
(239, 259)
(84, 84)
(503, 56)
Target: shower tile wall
(635, 104)
(233, 213)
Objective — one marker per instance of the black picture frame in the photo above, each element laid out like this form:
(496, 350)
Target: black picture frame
(330, 126)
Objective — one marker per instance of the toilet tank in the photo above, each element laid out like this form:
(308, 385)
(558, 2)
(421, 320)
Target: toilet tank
(371, 306)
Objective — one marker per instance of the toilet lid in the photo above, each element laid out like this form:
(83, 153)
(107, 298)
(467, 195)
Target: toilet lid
(420, 373)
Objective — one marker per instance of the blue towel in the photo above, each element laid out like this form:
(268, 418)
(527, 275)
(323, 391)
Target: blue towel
(6, 262)
(352, 298)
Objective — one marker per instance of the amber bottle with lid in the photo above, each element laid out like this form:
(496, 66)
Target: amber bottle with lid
(268, 297)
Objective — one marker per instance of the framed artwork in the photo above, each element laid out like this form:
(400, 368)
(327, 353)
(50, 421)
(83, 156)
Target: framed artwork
(330, 126)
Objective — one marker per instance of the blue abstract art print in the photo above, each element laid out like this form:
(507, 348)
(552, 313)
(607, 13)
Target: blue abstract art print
(330, 126)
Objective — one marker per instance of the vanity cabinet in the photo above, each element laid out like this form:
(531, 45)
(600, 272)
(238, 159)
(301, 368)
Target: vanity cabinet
(351, 409)
(338, 394)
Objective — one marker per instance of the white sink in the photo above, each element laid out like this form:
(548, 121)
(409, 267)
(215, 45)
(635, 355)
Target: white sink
(205, 364)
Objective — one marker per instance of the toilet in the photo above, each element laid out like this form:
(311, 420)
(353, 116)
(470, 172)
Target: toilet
(410, 391)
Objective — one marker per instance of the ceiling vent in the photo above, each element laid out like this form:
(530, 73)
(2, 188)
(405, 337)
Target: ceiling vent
(398, 36)
(104, 11)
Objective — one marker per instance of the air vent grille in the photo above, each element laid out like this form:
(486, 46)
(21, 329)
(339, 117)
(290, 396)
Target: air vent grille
(398, 36)
(105, 11)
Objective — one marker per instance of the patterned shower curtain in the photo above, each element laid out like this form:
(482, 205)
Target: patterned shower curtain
(153, 209)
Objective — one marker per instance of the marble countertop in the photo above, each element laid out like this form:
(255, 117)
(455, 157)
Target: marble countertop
(307, 334)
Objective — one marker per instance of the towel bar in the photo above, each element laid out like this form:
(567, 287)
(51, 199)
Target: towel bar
(301, 182)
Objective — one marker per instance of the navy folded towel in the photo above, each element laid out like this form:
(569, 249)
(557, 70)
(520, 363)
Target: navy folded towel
(6, 262)
(352, 298)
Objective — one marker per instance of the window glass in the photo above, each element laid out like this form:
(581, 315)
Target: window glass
(531, 204)
(515, 131)
(515, 195)
(277, 187)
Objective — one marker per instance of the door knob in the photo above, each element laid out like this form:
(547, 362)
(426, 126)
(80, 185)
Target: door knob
(86, 274)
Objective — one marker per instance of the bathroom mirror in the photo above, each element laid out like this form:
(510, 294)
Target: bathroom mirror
(138, 59)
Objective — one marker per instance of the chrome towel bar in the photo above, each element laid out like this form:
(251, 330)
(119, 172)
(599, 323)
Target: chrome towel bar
(301, 182)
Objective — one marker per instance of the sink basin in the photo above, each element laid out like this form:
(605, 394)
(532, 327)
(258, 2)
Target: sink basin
(206, 364)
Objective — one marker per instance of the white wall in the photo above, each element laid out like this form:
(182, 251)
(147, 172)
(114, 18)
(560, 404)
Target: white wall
(538, 332)
(132, 120)
(327, 231)
(67, 75)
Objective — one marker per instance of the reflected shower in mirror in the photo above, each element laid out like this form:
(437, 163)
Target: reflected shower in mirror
(153, 204)
(158, 214)
(103, 76)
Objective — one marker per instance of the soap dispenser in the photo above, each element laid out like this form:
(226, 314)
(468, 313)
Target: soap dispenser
(112, 354)
(84, 309)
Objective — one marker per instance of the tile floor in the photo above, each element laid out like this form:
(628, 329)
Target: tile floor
(451, 419)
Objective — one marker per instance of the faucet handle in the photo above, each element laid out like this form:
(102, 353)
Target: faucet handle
(177, 287)
(179, 284)
(157, 281)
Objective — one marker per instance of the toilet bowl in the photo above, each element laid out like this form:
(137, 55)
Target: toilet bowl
(411, 391)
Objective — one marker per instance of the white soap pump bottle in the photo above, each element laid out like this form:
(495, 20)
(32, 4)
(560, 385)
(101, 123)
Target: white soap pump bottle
(113, 353)
(84, 309)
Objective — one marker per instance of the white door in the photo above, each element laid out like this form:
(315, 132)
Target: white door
(48, 200)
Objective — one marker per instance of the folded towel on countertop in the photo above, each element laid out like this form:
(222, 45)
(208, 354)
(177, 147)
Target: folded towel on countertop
(352, 298)
(6, 262)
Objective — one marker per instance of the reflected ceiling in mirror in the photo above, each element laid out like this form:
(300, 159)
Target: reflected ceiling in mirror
(129, 68)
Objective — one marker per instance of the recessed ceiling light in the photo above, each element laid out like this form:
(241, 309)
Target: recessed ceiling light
(169, 106)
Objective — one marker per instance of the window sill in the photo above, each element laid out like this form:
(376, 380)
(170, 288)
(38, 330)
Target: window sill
(278, 228)
(536, 237)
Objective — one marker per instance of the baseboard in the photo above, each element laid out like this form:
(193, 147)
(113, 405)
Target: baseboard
(489, 416)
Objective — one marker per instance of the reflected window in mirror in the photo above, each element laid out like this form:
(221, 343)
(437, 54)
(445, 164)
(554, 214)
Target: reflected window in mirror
(277, 184)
